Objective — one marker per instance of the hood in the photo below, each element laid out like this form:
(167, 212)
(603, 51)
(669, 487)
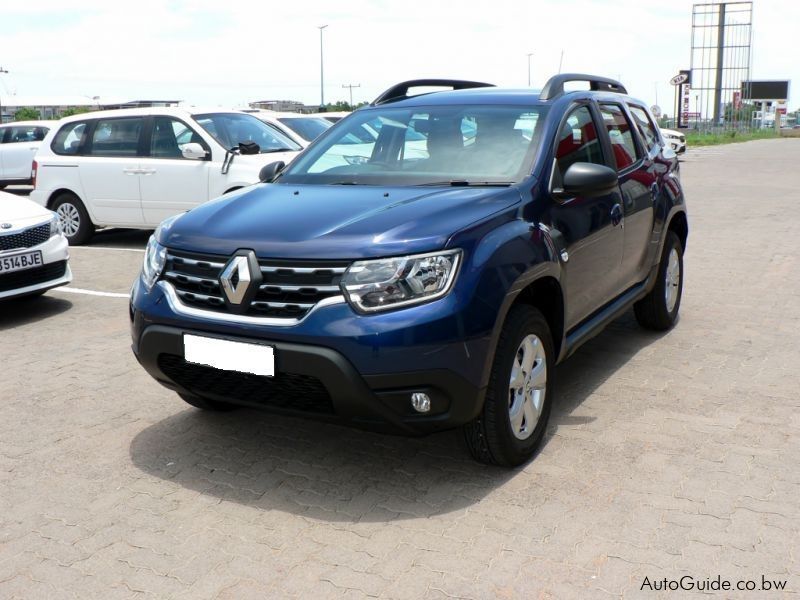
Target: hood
(334, 221)
(20, 212)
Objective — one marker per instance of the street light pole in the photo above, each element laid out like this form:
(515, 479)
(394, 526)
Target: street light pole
(321, 71)
(529, 68)
(351, 86)
(2, 70)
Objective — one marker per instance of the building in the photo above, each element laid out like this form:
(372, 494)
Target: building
(278, 105)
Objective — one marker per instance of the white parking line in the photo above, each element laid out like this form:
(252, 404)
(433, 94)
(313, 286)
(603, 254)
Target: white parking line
(105, 248)
(73, 290)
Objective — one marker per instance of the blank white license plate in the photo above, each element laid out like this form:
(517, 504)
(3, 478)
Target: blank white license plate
(229, 356)
(20, 262)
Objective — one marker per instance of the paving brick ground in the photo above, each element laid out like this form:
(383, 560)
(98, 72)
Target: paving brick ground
(668, 455)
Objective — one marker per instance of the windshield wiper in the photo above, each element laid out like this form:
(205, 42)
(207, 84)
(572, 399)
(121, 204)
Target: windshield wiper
(276, 150)
(465, 183)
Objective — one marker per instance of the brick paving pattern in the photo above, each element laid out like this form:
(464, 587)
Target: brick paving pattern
(667, 455)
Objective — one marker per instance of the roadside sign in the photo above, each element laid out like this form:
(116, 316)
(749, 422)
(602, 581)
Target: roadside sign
(680, 78)
(656, 110)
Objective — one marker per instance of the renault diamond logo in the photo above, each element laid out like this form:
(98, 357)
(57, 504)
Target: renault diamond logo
(236, 278)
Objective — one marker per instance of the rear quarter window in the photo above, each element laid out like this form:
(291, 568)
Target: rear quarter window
(69, 138)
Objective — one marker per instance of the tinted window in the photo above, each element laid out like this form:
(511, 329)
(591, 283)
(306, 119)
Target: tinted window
(306, 127)
(116, 137)
(232, 129)
(646, 127)
(577, 141)
(170, 136)
(69, 138)
(621, 134)
(23, 133)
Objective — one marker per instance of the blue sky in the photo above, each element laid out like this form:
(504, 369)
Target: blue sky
(224, 54)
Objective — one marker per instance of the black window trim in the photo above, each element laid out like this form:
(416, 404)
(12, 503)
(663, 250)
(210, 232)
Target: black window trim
(602, 138)
(641, 155)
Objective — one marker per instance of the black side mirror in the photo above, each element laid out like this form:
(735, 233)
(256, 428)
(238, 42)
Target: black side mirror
(270, 171)
(589, 180)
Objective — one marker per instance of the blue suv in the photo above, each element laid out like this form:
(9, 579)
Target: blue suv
(424, 264)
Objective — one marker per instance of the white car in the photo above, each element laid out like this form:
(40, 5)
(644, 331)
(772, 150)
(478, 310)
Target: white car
(18, 144)
(137, 167)
(34, 254)
(333, 116)
(303, 129)
(675, 139)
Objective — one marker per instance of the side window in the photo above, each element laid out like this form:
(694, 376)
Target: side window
(577, 141)
(24, 133)
(170, 136)
(116, 137)
(69, 138)
(645, 125)
(621, 134)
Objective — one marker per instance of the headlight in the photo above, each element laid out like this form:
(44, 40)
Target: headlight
(374, 285)
(55, 225)
(155, 256)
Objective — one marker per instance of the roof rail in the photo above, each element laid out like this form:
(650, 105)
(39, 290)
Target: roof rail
(400, 90)
(555, 85)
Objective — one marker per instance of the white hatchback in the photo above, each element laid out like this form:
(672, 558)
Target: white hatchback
(136, 167)
(18, 144)
(34, 254)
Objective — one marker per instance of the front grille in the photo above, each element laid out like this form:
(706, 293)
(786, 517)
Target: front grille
(20, 279)
(290, 391)
(290, 288)
(33, 236)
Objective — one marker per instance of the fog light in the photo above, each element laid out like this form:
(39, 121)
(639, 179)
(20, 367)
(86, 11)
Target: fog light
(421, 402)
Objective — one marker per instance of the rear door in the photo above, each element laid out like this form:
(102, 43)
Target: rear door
(20, 143)
(638, 183)
(171, 184)
(588, 229)
(110, 170)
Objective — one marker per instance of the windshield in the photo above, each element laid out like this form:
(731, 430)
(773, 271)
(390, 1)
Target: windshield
(306, 127)
(426, 145)
(231, 129)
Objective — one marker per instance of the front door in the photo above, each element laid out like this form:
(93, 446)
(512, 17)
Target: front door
(171, 184)
(589, 230)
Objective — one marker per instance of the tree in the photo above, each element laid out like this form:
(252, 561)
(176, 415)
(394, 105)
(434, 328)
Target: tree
(75, 110)
(27, 114)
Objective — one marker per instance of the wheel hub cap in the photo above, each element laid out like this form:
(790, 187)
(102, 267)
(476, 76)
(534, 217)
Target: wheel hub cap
(70, 219)
(672, 280)
(527, 387)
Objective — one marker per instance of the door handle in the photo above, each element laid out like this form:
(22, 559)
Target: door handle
(130, 171)
(147, 171)
(616, 215)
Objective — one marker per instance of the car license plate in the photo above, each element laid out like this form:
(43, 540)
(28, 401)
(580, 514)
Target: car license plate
(229, 356)
(20, 262)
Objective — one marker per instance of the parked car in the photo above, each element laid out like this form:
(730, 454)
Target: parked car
(303, 129)
(675, 139)
(33, 252)
(18, 144)
(419, 293)
(333, 116)
(136, 167)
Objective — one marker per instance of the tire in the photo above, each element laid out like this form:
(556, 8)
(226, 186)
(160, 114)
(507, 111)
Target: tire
(494, 437)
(75, 222)
(659, 309)
(206, 404)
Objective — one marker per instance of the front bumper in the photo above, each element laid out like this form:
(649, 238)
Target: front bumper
(314, 382)
(54, 272)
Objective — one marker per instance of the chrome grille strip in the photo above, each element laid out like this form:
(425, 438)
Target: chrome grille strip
(304, 270)
(261, 303)
(191, 278)
(296, 288)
